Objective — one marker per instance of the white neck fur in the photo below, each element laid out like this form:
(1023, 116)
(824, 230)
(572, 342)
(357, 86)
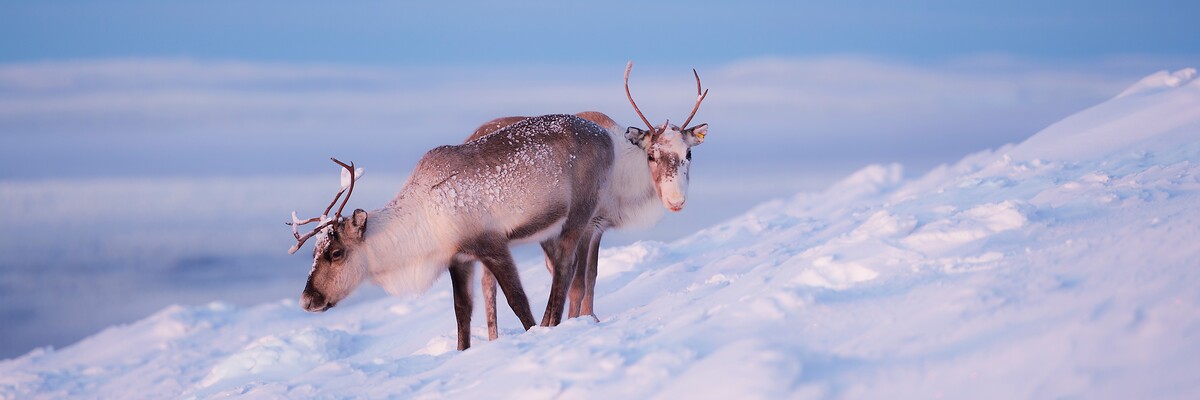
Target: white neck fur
(402, 252)
(634, 202)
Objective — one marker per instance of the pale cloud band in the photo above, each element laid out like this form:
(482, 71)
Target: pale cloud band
(841, 106)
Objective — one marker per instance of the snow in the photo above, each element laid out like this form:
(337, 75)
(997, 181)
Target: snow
(1154, 114)
(358, 174)
(1064, 266)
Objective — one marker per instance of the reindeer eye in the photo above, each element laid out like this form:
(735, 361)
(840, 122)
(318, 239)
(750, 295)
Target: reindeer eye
(649, 157)
(336, 254)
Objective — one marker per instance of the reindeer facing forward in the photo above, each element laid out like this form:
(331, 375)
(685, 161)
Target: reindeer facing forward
(652, 166)
(538, 181)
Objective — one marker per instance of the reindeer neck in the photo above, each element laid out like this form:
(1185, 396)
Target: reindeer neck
(399, 251)
(635, 204)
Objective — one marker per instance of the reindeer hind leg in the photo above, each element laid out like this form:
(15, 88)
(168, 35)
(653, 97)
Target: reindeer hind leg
(460, 279)
(488, 281)
(591, 269)
(578, 290)
(493, 252)
(564, 268)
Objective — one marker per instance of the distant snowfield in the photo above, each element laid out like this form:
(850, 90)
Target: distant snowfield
(1065, 266)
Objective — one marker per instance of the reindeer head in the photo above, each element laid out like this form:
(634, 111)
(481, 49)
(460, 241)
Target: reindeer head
(337, 268)
(668, 149)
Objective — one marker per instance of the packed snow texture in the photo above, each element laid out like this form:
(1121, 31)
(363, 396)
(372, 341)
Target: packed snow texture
(1064, 266)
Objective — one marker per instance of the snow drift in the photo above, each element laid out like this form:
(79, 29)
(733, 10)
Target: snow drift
(1061, 266)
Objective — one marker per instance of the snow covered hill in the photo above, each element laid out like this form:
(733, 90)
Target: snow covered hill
(1067, 265)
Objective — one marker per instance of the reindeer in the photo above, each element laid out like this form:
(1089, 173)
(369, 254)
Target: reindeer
(650, 164)
(538, 181)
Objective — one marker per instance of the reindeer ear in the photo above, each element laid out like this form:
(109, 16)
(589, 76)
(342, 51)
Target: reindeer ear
(636, 136)
(695, 135)
(356, 226)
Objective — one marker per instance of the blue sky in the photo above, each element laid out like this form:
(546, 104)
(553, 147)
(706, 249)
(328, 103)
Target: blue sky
(573, 32)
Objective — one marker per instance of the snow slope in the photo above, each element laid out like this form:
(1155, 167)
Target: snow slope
(1062, 266)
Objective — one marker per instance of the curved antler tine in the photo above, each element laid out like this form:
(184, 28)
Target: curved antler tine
(350, 192)
(629, 67)
(301, 239)
(355, 174)
(335, 199)
(297, 222)
(324, 218)
(699, 99)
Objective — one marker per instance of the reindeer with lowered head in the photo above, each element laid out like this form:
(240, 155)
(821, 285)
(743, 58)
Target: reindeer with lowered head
(538, 181)
(651, 167)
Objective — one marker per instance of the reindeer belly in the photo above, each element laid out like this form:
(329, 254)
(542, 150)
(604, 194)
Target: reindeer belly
(539, 227)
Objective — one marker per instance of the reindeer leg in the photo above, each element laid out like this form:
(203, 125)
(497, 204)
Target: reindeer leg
(577, 225)
(550, 247)
(564, 269)
(564, 272)
(575, 293)
(591, 269)
(578, 284)
(488, 281)
(492, 251)
(460, 279)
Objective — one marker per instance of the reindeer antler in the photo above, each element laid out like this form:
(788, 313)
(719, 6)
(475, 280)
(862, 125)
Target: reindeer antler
(700, 95)
(350, 174)
(301, 239)
(353, 176)
(629, 67)
(699, 98)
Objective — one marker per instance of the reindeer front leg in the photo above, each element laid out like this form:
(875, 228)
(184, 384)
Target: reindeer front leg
(460, 280)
